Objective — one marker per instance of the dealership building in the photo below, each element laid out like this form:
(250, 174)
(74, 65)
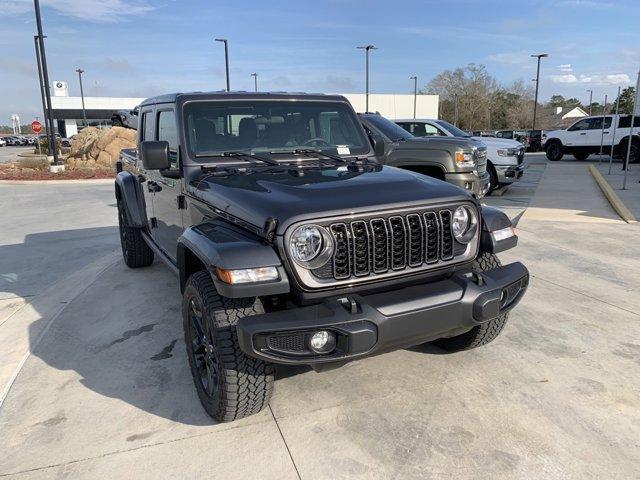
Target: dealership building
(67, 110)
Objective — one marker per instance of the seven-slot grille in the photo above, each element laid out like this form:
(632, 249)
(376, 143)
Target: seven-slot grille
(392, 243)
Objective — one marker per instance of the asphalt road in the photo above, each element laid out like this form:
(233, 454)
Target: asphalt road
(102, 388)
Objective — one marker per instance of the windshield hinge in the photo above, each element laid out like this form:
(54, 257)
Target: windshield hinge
(270, 229)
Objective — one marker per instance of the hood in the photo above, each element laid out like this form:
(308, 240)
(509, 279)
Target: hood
(499, 142)
(258, 196)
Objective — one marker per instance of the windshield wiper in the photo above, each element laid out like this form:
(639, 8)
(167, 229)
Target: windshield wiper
(353, 164)
(240, 156)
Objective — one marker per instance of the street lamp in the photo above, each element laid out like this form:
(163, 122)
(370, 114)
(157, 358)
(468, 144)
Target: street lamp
(255, 81)
(366, 48)
(41, 85)
(226, 58)
(84, 113)
(415, 93)
(535, 104)
(590, 100)
(45, 79)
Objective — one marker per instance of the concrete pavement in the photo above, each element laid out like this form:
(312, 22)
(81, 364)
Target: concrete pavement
(10, 154)
(105, 392)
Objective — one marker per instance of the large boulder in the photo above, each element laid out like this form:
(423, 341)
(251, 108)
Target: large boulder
(100, 146)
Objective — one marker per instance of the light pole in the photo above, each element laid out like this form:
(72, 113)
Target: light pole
(255, 81)
(367, 48)
(84, 113)
(226, 58)
(40, 85)
(415, 93)
(45, 79)
(535, 103)
(590, 100)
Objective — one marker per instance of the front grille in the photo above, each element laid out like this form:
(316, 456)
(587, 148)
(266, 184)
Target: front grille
(393, 243)
(481, 160)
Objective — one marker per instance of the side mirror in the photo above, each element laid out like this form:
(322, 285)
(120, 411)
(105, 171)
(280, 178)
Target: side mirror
(378, 144)
(155, 155)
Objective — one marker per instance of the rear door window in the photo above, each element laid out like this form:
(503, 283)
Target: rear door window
(148, 132)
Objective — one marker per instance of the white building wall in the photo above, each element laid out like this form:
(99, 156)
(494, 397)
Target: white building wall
(396, 105)
(388, 105)
(71, 127)
(95, 103)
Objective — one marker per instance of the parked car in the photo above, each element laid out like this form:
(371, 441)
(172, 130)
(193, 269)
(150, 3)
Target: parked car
(584, 137)
(460, 161)
(504, 157)
(521, 136)
(3, 142)
(12, 141)
(293, 245)
(536, 140)
(483, 133)
(125, 118)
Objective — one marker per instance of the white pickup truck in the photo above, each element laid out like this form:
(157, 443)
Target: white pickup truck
(504, 156)
(585, 136)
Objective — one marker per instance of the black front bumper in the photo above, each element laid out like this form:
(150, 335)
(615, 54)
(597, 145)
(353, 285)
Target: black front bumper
(369, 324)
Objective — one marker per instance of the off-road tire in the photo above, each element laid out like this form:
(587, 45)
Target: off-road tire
(116, 122)
(135, 250)
(580, 156)
(245, 384)
(634, 156)
(485, 332)
(493, 178)
(553, 151)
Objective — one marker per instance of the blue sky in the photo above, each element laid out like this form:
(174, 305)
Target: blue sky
(145, 47)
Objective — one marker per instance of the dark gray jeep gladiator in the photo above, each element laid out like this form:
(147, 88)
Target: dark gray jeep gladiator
(294, 245)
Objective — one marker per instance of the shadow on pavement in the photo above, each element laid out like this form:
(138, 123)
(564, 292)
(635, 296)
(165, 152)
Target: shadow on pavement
(43, 258)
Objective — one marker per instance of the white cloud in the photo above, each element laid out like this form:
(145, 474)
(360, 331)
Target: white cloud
(595, 79)
(101, 11)
(566, 78)
(566, 67)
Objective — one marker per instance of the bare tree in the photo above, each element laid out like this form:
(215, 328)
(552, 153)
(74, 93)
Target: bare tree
(474, 100)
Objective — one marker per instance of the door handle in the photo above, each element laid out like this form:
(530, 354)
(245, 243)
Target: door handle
(583, 133)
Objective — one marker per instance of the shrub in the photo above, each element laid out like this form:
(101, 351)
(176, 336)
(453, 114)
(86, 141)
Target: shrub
(34, 163)
(44, 145)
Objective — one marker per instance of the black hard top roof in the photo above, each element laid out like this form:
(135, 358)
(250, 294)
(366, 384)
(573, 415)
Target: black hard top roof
(223, 95)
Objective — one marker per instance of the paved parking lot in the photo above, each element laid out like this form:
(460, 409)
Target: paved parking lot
(10, 154)
(100, 386)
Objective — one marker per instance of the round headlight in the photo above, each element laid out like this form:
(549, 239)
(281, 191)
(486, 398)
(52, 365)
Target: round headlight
(310, 246)
(463, 224)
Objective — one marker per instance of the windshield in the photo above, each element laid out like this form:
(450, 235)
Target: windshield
(389, 129)
(452, 129)
(272, 127)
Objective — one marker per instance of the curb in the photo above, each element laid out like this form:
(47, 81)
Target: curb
(620, 208)
(98, 181)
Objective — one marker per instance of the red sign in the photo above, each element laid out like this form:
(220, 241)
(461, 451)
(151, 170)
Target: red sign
(36, 126)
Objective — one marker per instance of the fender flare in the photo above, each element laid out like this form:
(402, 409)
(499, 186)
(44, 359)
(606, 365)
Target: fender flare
(492, 220)
(129, 192)
(215, 244)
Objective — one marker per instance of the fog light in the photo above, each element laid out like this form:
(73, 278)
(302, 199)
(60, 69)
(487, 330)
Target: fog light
(322, 341)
